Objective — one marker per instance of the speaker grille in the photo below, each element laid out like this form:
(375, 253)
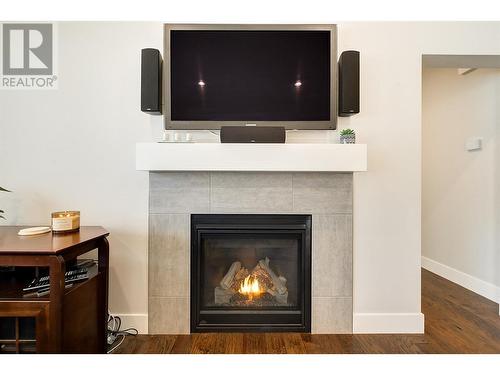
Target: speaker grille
(151, 81)
(348, 83)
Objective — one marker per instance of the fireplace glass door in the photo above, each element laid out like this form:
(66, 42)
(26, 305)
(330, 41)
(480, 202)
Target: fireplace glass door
(250, 272)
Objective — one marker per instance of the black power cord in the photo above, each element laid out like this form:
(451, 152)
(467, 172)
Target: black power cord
(116, 336)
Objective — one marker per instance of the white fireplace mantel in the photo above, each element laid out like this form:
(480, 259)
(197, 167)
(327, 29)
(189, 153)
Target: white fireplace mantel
(287, 157)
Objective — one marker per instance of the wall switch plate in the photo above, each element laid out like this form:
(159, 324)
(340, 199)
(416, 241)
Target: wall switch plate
(474, 143)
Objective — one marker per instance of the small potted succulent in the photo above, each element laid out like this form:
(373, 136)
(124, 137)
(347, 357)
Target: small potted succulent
(347, 136)
(1, 211)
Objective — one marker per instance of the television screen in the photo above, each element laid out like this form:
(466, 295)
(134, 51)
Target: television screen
(250, 75)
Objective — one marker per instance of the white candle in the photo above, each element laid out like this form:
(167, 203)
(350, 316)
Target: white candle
(65, 221)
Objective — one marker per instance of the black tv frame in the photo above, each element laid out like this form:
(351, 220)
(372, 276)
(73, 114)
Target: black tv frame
(216, 125)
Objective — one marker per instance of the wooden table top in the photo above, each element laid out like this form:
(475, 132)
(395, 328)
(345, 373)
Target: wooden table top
(47, 243)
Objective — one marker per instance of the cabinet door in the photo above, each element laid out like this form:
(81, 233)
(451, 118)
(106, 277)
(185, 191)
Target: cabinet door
(23, 327)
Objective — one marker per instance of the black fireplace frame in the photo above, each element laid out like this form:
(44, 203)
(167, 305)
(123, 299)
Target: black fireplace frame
(244, 320)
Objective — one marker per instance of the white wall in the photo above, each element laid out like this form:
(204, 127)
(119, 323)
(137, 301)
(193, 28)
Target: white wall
(497, 196)
(460, 188)
(496, 202)
(387, 199)
(94, 115)
(74, 148)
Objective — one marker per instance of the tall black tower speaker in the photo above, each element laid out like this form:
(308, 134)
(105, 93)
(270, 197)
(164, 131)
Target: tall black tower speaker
(151, 80)
(348, 83)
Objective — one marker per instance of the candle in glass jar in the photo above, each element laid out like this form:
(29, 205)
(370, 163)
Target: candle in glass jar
(65, 221)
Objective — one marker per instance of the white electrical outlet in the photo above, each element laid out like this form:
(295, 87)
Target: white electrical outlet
(474, 143)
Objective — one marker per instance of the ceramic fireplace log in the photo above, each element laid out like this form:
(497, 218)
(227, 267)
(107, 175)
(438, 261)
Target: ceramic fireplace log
(238, 278)
(264, 278)
(280, 298)
(222, 296)
(227, 280)
(279, 282)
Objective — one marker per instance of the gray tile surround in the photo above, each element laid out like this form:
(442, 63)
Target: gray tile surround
(322, 193)
(331, 315)
(169, 253)
(168, 315)
(179, 192)
(251, 192)
(331, 255)
(175, 195)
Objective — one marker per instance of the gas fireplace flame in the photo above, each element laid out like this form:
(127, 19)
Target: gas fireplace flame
(250, 287)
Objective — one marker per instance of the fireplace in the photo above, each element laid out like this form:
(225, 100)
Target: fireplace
(250, 273)
(176, 196)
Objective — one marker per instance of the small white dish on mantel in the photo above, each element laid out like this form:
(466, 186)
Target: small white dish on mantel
(34, 230)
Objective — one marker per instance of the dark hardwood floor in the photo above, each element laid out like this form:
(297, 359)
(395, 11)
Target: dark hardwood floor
(456, 321)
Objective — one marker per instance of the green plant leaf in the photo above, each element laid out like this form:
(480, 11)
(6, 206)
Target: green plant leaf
(347, 132)
(2, 211)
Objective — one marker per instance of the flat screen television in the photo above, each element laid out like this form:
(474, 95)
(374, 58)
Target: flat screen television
(263, 75)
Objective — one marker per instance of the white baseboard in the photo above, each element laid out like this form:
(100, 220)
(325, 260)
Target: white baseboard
(137, 321)
(481, 287)
(388, 323)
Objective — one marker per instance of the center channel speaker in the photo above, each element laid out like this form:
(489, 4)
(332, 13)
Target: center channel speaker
(252, 134)
(151, 81)
(348, 83)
